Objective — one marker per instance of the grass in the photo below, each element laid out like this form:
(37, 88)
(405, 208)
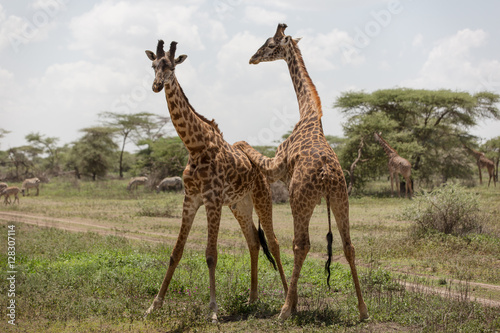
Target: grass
(81, 282)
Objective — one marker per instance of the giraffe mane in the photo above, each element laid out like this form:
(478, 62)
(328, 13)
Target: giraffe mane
(309, 81)
(211, 123)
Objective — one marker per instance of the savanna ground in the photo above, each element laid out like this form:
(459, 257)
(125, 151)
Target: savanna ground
(90, 257)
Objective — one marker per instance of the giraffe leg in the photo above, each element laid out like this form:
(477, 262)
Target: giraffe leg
(398, 184)
(189, 209)
(263, 206)
(341, 212)
(480, 175)
(213, 209)
(392, 185)
(242, 211)
(301, 246)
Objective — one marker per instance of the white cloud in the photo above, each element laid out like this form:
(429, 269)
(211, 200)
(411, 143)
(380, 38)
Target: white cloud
(451, 65)
(418, 40)
(327, 51)
(116, 28)
(263, 16)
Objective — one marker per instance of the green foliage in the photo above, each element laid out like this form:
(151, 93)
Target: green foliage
(47, 145)
(426, 127)
(164, 157)
(94, 152)
(135, 127)
(449, 209)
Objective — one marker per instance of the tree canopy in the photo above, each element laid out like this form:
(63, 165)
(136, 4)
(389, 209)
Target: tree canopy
(427, 127)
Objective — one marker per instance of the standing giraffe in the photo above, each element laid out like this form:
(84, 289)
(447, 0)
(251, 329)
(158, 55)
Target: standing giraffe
(483, 162)
(216, 175)
(308, 165)
(397, 165)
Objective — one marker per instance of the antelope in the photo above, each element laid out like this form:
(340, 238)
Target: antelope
(30, 183)
(170, 183)
(135, 182)
(12, 190)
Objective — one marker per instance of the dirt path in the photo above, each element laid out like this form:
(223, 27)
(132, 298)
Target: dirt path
(81, 225)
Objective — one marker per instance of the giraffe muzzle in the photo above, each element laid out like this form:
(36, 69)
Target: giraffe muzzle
(157, 87)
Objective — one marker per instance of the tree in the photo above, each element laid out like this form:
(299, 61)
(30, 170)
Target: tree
(23, 159)
(47, 145)
(94, 152)
(3, 132)
(427, 127)
(164, 157)
(138, 127)
(491, 148)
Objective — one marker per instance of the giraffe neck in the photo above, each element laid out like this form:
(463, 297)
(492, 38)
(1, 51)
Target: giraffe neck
(477, 154)
(192, 128)
(307, 95)
(391, 152)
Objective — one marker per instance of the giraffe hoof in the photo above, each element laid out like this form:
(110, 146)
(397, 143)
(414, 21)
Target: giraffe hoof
(157, 303)
(214, 318)
(363, 312)
(285, 313)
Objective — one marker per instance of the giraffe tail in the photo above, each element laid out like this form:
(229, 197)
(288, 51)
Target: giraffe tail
(265, 247)
(327, 178)
(329, 242)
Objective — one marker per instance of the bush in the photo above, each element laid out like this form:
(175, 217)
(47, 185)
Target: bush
(279, 192)
(449, 209)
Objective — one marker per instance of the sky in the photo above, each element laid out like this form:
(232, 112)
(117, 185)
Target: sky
(62, 62)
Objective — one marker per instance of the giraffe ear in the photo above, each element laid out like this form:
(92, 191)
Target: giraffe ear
(296, 40)
(151, 55)
(180, 59)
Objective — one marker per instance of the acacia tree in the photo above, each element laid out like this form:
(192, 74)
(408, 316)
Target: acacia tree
(137, 127)
(491, 149)
(47, 145)
(93, 153)
(425, 126)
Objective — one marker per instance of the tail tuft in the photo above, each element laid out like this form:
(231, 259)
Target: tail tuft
(329, 241)
(265, 248)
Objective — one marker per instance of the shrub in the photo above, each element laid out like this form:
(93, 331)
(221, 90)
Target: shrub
(449, 209)
(279, 192)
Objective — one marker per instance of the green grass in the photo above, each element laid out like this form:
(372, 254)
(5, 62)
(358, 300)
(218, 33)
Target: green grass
(79, 282)
(82, 282)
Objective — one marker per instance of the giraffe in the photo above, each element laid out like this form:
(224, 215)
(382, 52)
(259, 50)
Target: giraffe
(309, 166)
(397, 165)
(8, 191)
(483, 162)
(135, 182)
(216, 175)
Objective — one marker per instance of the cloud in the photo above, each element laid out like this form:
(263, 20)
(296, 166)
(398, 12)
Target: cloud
(326, 51)
(418, 40)
(451, 64)
(263, 16)
(118, 27)
(17, 31)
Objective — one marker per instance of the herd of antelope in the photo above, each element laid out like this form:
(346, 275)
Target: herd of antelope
(8, 191)
(167, 184)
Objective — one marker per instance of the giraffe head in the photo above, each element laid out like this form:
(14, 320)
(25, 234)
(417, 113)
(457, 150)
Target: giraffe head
(275, 47)
(164, 64)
